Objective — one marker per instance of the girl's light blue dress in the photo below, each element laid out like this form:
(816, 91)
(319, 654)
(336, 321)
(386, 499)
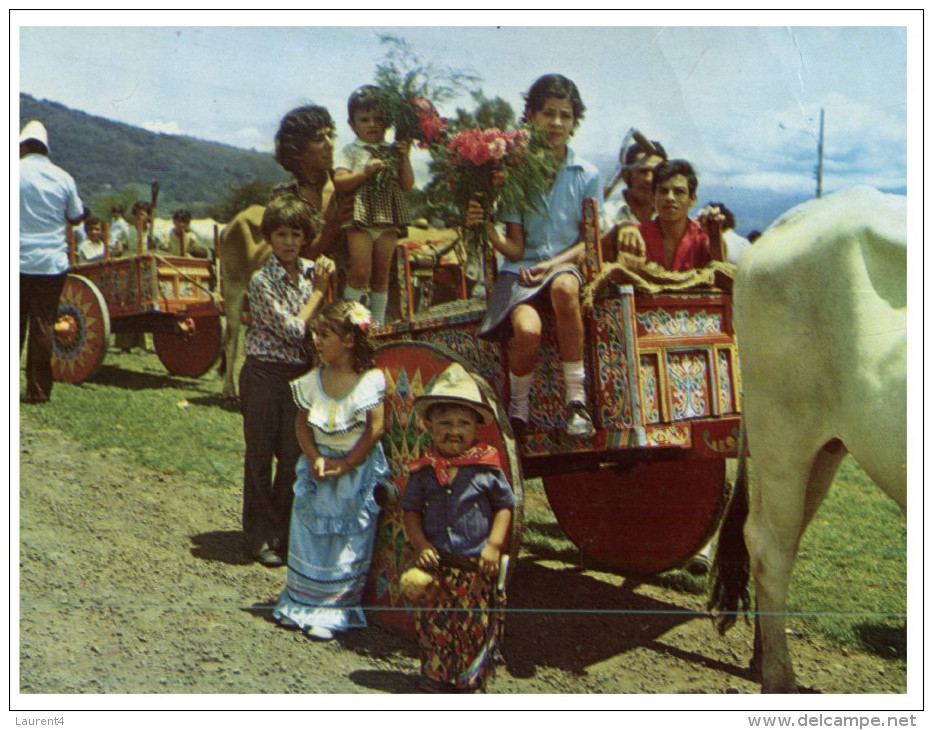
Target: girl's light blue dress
(333, 523)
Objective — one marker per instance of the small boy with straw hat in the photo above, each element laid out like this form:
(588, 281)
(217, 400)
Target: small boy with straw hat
(457, 511)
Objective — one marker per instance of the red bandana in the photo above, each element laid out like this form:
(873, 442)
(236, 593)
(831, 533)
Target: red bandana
(478, 453)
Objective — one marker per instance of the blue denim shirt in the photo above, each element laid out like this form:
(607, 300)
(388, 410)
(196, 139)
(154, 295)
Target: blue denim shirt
(457, 518)
(555, 225)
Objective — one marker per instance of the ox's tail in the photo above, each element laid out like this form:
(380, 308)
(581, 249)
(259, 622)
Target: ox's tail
(730, 572)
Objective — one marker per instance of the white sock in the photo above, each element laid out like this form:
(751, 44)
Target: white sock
(377, 305)
(520, 387)
(574, 377)
(353, 294)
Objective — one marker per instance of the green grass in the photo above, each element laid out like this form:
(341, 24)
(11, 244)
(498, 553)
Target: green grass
(167, 423)
(849, 580)
(853, 560)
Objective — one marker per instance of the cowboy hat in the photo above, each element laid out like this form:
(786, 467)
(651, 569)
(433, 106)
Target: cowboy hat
(35, 130)
(455, 386)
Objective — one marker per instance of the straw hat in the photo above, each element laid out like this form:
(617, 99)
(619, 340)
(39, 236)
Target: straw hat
(34, 130)
(455, 386)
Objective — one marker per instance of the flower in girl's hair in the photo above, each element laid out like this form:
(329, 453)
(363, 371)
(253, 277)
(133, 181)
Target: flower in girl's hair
(359, 316)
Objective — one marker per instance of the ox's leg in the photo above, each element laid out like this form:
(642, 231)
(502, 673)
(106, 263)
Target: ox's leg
(234, 309)
(772, 533)
(788, 494)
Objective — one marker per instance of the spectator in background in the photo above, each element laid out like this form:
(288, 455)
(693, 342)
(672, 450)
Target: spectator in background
(734, 245)
(92, 248)
(182, 241)
(638, 175)
(142, 220)
(638, 168)
(119, 231)
(48, 201)
(754, 236)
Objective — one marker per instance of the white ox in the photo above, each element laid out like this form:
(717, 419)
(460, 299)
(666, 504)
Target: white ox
(820, 315)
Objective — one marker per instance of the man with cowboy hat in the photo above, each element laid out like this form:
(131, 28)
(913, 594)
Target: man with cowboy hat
(48, 202)
(457, 511)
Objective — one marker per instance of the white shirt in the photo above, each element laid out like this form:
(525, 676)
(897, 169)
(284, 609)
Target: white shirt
(47, 196)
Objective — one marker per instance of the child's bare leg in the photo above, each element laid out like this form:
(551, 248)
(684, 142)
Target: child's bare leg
(360, 251)
(383, 249)
(565, 298)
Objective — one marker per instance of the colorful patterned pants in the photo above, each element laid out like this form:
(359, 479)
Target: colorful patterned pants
(453, 634)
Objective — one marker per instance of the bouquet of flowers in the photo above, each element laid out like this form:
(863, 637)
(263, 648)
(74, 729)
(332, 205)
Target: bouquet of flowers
(409, 90)
(499, 168)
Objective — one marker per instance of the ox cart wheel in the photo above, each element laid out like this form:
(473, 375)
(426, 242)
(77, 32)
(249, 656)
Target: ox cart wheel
(410, 370)
(82, 331)
(643, 517)
(195, 349)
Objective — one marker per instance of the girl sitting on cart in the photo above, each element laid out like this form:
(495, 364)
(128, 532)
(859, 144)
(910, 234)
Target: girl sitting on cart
(457, 512)
(543, 249)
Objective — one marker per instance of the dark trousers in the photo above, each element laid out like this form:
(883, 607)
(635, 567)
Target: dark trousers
(38, 310)
(269, 432)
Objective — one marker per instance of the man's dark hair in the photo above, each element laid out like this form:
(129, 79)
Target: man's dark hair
(91, 220)
(729, 222)
(669, 168)
(141, 206)
(296, 129)
(182, 215)
(560, 87)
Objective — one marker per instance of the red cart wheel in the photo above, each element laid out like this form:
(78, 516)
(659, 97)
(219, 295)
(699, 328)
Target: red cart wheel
(642, 518)
(82, 331)
(192, 352)
(410, 368)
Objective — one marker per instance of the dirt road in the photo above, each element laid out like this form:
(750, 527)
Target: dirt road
(133, 581)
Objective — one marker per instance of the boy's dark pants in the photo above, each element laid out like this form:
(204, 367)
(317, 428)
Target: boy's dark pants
(38, 308)
(269, 432)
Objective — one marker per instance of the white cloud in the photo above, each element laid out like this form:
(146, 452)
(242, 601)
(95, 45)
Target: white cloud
(252, 138)
(161, 127)
(863, 144)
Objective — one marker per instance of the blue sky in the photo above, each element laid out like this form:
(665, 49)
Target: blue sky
(743, 103)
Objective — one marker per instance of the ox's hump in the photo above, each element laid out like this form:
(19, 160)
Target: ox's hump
(857, 207)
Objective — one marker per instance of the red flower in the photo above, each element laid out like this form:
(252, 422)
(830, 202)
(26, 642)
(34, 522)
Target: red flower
(432, 128)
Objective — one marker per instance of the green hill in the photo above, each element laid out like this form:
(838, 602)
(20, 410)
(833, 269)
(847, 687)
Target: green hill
(106, 157)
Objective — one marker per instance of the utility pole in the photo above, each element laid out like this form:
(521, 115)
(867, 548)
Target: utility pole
(819, 160)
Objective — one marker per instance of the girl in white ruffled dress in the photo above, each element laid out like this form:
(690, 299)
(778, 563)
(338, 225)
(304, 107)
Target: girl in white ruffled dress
(333, 525)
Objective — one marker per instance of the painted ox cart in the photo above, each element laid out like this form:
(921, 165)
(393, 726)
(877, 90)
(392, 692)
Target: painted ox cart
(173, 297)
(647, 491)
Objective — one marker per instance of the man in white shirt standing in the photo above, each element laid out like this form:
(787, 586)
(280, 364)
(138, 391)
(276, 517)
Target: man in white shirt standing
(48, 202)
